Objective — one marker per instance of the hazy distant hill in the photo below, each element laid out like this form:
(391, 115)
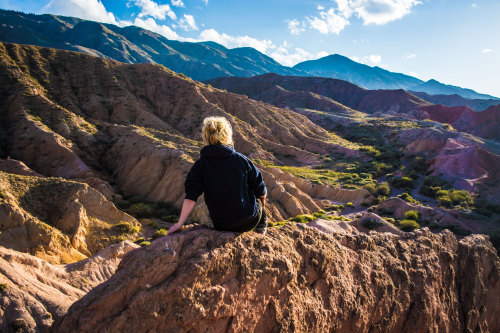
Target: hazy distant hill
(476, 104)
(132, 44)
(339, 67)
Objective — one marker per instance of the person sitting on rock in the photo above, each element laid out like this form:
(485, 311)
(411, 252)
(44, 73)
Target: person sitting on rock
(235, 192)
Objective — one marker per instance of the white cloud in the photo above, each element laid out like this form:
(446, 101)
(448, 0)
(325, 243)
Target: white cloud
(87, 9)
(474, 5)
(296, 27)
(486, 50)
(409, 56)
(177, 3)
(287, 58)
(328, 22)
(336, 18)
(152, 9)
(238, 41)
(150, 24)
(188, 23)
(372, 59)
(206, 2)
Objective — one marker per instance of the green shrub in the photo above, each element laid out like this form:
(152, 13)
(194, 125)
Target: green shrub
(408, 198)
(319, 214)
(349, 204)
(139, 240)
(450, 198)
(402, 182)
(408, 225)
(159, 233)
(3, 195)
(432, 184)
(390, 220)
(270, 224)
(3, 287)
(370, 223)
(303, 218)
(140, 210)
(412, 215)
(125, 228)
(145, 243)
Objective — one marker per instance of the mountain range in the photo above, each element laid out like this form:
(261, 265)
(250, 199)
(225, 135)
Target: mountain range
(200, 61)
(339, 67)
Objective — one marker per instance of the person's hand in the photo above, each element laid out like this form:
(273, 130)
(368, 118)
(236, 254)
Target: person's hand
(174, 228)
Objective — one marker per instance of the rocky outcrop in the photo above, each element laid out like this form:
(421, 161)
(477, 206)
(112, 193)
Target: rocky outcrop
(57, 220)
(34, 293)
(297, 278)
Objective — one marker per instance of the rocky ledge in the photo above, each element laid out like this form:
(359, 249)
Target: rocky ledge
(297, 278)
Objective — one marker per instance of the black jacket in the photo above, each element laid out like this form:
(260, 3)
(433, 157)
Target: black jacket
(231, 183)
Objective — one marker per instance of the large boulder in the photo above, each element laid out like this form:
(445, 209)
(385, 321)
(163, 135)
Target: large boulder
(297, 278)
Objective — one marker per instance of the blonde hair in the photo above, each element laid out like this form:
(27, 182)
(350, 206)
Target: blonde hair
(217, 130)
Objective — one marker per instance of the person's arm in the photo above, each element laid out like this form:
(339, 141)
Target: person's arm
(263, 199)
(187, 208)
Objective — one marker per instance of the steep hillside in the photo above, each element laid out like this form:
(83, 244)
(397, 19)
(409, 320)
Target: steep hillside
(298, 279)
(57, 220)
(135, 129)
(132, 44)
(339, 67)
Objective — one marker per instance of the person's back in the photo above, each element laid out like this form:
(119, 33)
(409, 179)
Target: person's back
(233, 186)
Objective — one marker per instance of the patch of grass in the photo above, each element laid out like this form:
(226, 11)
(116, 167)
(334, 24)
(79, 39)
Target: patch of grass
(452, 198)
(139, 240)
(412, 215)
(125, 228)
(145, 243)
(408, 225)
(408, 198)
(140, 210)
(160, 233)
(349, 204)
(302, 218)
(402, 182)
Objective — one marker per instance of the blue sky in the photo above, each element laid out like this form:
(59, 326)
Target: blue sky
(454, 41)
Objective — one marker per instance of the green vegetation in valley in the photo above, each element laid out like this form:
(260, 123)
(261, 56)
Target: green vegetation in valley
(412, 215)
(408, 225)
(125, 228)
(139, 207)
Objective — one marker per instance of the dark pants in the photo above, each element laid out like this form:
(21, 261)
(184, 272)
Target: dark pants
(261, 218)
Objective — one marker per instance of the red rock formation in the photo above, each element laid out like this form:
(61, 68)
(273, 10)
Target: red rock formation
(297, 279)
(484, 124)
